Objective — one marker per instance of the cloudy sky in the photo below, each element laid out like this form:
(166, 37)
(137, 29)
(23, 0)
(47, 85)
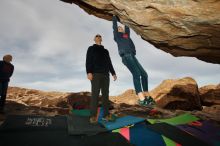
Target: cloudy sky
(49, 39)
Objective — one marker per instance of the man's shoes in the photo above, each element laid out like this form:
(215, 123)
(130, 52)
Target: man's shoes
(109, 118)
(148, 101)
(93, 120)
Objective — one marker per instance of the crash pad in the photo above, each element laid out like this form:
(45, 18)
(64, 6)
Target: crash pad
(40, 132)
(181, 119)
(86, 112)
(121, 122)
(140, 135)
(31, 122)
(204, 130)
(80, 125)
(181, 137)
(82, 112)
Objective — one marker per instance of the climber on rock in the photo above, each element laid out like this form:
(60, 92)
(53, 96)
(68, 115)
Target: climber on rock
(6, 71)
(126, 49)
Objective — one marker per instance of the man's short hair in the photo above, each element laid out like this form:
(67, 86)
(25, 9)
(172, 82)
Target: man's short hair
(98, 35)
(121, 26)
(7, 57)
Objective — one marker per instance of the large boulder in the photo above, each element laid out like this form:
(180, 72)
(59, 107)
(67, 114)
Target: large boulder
(212, 112)
(32, 97)
(128, 97)
(79, 100)
(179, 27)
(210, 95)
(178, 94)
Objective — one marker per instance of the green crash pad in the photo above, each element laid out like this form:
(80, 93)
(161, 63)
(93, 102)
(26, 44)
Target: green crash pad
(83, 112)
(178, 120)
(181, 119)
(168, 141)
(87, 113)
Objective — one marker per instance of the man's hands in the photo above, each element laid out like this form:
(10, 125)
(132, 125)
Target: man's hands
(90, 76)
(114, 77)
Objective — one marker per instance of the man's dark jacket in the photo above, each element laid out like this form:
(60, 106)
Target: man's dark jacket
(98, 60)
(6, 71)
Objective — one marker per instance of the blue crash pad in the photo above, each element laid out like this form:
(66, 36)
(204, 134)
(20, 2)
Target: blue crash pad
(121, 122)
(140, 135)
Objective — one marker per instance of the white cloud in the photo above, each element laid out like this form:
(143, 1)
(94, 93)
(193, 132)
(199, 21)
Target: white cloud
(56, 84)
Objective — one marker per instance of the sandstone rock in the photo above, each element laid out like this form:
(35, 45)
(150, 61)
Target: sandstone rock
(212, 112)
(128, 97)
(31, 97)
(177, 94)
(82, 100)
(180, 27)
(215, 109)
(79, 100)
(210, 95)
(124, 104)
(16, 108)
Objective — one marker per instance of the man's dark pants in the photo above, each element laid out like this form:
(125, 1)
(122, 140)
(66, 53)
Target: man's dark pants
(99, 82)
(3, 93)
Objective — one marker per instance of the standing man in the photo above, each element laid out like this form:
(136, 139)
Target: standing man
(6, 71)
(98, 66)
(127, 51)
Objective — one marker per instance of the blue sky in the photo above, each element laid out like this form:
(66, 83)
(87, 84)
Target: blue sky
(49, 39)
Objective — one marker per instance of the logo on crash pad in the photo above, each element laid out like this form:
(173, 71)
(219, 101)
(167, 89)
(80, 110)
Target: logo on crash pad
(38, 122)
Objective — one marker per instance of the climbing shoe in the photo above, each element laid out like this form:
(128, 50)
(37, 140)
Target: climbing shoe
(148, 101)
(93, 120)
(109, 118)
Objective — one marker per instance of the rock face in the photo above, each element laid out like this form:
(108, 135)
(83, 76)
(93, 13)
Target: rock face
(22, 101)
(79, 100)
(82, 100)
(31, 97)
(178, 94)
(179, 27)
(210, 95)
(212, 112)
(129, 97)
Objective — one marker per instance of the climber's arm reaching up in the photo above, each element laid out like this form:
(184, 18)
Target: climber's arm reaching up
(115, 27)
